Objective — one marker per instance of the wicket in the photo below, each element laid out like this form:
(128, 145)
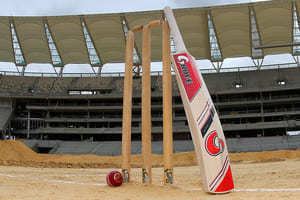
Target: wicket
(146, 103)
(127, 106)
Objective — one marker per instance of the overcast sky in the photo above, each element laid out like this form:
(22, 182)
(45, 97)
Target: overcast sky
(69, 7)
(75, 7)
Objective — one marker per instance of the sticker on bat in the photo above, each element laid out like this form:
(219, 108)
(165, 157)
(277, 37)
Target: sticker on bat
(188, 74)
(213, 144)
(206, 118)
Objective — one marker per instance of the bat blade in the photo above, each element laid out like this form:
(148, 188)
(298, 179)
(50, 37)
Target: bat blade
(203, 120)
(204, 124)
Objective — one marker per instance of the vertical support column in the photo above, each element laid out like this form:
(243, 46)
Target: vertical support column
(262, 111)
(167, 105)
(9, 129)
(23, 70)
(28, 125)
(99, 70)
(127, 107)
(48, 116)
(61, 71)
(146, 106)
(88, 113)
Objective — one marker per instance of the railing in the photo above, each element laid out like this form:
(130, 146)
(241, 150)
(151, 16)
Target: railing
(153, 73)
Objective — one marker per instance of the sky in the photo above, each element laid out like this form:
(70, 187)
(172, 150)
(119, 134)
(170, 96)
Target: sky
(75, 7)
(79, 7)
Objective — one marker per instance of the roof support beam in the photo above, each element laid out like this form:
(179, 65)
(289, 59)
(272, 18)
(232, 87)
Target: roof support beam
(17, 69)
(18, 52)
(94, 56)
(23, 70)
(255, 36)
(216, 53)
(258, 62)
(54, 51)
(296, 30)
(57, 73)
(61, 72)
(296, 59)
(217, 65)
(136, 52)
(100, 70)
(93, 69)
(85, 40)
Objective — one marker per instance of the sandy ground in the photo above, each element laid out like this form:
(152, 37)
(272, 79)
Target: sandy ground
(29, 183)
(26, 175)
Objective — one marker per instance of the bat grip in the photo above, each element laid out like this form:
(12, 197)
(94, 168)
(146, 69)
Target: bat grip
(175, 32)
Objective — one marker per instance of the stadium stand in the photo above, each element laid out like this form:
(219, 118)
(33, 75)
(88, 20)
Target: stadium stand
(6, 110)
(90, 109)
(260, 104)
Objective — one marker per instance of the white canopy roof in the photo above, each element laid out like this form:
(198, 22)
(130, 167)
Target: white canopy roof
(232, 26)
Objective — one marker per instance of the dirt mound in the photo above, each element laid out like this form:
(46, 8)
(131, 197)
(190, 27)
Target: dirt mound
(18, 154)
(265, 156)
(16, 150)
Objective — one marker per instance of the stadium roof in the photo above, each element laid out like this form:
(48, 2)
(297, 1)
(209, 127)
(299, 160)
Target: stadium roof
(214, 33)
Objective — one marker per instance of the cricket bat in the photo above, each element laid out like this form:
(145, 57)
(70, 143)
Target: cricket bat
(203, 120)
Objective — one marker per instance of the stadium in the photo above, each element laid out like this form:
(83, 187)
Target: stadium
(58, 119)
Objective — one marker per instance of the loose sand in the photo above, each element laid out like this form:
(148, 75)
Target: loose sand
(15, 153)
(27, 175)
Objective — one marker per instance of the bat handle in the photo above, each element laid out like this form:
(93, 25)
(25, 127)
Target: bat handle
(175, 32)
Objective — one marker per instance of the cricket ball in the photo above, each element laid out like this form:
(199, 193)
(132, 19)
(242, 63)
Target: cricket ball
(114, 179)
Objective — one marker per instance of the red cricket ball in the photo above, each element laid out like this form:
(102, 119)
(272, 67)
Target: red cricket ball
(114, 179)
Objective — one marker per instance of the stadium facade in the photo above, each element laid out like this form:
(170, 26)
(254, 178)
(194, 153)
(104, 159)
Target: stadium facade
(257, 102)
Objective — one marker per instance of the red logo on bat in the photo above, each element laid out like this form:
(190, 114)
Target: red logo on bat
(213, 144)
(188, 74)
